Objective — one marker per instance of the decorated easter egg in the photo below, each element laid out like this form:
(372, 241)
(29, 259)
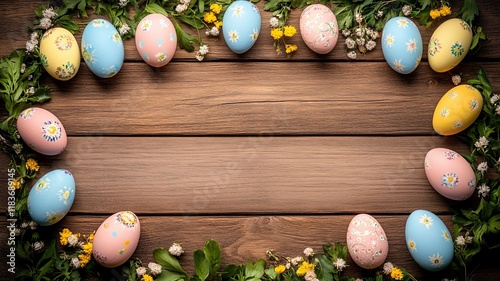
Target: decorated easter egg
(102, 48)
(241, 26)
(456, 110)
(428, 240)
(367, 242)
(402, 45)
(318, 28)
(116, 239)
(449, 44)
(156, 40)
(51, 197)
(449, 174)
(42, 131)
(59, 53)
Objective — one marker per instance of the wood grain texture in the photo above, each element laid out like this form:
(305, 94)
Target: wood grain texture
(251, 175)
(15, 35)
(255, 98)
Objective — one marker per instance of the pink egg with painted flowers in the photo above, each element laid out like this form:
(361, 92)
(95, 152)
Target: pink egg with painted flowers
(156, 40)
(116, 239)
(367, 242)
(319, 28)
(42, 131)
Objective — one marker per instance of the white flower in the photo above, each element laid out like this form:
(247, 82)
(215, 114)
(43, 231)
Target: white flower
(30, 77)
(141, 271)
(482, 167)
(49, 13)
(199, 57)
(350, 43)
(375, 35)
(24, 225)
(360, 41)
(482, 142)
(23, 68)
(308, 252)
(38, 245)
(346, 32)
(388, 268)
(214, 31)
(72, 240)
(352, 55)
(34, 36)
(339, 264)
(274, 22)
(310, 275)
(124, 29)
(456, 79)
(359, 17)
(75, 262)
(468, 239)
(181, 8)
(176, 250)
(370, 45)
(186, 2)
(30, 46)
(122, 3)
(359, 279)
(17, 231)
(406, 9)
(33, 225)
(497, 110)
(379, 14)
(360, 32)
(45, 23)
(483, 190)
(460, 241)
(296, 260)
(203, 50)
(288, 265)
(494, 99)
(155, 268)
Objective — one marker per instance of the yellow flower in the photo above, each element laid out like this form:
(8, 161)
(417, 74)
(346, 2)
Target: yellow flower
(32, 165)
(277, 33)
(445, 11)
(87, 248)
(216, 8)
(90, 239)
(396, 274)
(279, 269)
(290, 48)
(290, 30)
(435, 14)
(147, 277)
(304, 268)
(209, 17)
(64, 236)
(16, 184)
(84, 259)
(218, 24)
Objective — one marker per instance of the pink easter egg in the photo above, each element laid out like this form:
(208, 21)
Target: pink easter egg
(156, 40)
(367, 242)
(449, 174)
(319, 28)
(116, 239)
(42, 131)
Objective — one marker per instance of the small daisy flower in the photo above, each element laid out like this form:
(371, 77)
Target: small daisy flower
(38, 245)
(122, 3)
(296, 260)
(274, 22)
(460, 240)
(141, 271)
(73, 240)
(379, 14)
(124, 29)
(350, 43)
(406, 9)
(370, 45)
(45, 23)
(203, 50)
(339, 264)
(494, 99)
(346, 32)
(308, 252)
(482, 167)
(482, 142)
(181, 8)
(33, 225)
(352, 55)
(483, 190)
(456, 79)
(49, 13)
(155, 268)
(176, 250)
(75, 262)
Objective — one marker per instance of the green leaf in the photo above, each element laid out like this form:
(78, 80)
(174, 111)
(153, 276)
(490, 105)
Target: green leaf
(230, 270)
(255, 270)
(201, 266)
(153, 8)
(166, 275)
(326, 268)
(468, 10)
(184, 40)
(213, 255)
(169, 262)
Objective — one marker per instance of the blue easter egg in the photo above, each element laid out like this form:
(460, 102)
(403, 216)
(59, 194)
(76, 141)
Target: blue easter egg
(102, 48)
(51, 197)
(428, 240)
(241, 26)
(402, 45)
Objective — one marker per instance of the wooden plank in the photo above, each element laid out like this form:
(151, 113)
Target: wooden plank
(327, 98)
(251, 175)
(15, 35)
(242, 238)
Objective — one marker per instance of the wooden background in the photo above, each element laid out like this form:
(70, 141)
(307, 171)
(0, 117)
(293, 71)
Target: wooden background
(256, 151)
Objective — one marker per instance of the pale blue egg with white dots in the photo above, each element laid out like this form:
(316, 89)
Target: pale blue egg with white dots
(102, 48)
(402, 45)
(428, 240)
(241, 26)
(52, 196)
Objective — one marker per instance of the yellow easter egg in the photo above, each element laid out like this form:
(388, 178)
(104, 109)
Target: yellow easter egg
(449, 44)
(457, 110)
(59, 53)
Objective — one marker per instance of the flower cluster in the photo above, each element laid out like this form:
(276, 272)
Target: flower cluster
(360, 39)
(214, 16)
(148, 273)
(443, 11)
(396, 273)
(279, 33)
(79, 248)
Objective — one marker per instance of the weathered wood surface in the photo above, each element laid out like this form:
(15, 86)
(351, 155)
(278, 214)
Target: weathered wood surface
(254, 150)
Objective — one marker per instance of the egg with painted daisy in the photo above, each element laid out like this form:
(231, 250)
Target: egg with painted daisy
(241, 26)
(402, 45)
(116, 239)
(156, 40)
(59, 53)
(102, 48)
(51, 197)
(428, 240)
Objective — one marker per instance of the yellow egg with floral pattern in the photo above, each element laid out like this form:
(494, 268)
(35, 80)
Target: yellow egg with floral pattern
(59, 53)
(457, 110)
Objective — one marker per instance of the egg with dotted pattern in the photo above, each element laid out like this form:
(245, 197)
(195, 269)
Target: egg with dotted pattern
(156, 40)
